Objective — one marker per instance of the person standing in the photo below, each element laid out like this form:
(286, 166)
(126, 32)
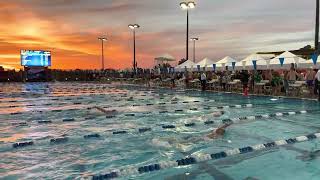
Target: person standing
(285, 82)
(186, 79)
(292, 76)
(317, 79)
(172, 78)
(203, 79)
(310, 76)
(245, 81)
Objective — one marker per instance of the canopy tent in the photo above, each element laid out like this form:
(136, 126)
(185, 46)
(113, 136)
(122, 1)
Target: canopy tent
(309, 64)
(226, 61)
(214, 67)
(284, 61)
(248, 63)
(187, 64)
(164, 58)
(205, 62)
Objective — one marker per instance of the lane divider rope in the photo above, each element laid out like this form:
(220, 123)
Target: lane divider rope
(194, 159)
(141, 130)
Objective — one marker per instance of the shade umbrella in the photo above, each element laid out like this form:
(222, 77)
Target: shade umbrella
(165, 57)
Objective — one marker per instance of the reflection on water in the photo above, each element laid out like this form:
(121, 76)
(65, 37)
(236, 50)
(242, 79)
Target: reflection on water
(13, 138)
(80, 158)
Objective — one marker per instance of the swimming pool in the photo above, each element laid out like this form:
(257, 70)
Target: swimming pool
(62, 137)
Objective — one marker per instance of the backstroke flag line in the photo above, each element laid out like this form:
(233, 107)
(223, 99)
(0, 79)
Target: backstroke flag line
(233, 65)
(254, 62)
(281, 61)
(314, 58)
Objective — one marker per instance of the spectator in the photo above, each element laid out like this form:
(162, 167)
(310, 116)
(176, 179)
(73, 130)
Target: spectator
(203, 79)
(245, 80)
(310, 77)
(318, 82)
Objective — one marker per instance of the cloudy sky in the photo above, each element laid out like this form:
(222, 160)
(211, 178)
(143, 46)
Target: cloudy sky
(69, 28)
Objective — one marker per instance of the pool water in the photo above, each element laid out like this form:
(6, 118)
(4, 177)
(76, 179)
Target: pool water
(44, 112)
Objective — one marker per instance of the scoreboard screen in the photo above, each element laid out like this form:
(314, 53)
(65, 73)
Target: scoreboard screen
(35, 58)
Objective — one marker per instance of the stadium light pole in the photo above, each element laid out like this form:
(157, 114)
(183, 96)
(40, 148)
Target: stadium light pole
(316, 39)
(133, 27)
(186, 6)
(194, 47)
(102, 39)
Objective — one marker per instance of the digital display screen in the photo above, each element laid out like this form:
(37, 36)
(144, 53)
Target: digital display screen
(35, 58)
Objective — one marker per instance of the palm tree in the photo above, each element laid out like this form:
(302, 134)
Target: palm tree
(317, 28)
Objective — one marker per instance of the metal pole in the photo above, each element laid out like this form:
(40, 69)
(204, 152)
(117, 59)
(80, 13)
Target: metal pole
(194, 51)
(316, 43)
(134, 51)
(102, 58)
(187, 40)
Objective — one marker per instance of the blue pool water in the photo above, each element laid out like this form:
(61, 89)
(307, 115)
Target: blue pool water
(41, 112)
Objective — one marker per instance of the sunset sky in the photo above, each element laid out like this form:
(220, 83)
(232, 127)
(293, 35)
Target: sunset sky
(69, 28)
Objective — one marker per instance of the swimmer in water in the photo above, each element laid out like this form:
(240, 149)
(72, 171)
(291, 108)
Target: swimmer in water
(219, 131)
(309, 156)
(174, 99)
(218, 113)
(108, 112)
(185, 144)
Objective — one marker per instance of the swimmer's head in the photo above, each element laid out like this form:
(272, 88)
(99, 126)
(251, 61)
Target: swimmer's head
(218, 113)
(220, 131)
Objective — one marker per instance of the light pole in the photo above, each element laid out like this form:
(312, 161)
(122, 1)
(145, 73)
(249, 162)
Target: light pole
(102, 39)
(194, 47)
(186, 6)
(316, 40)
(133, 27)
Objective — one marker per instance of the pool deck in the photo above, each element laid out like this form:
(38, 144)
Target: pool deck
(225, 92)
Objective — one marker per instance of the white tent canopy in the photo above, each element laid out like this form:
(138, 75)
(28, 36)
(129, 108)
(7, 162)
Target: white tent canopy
(226, 60)
(205, 62)
(247, 63)
(309, 64)
(289, 58)
(187, 64)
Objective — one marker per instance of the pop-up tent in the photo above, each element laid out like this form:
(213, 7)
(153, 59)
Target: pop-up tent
(285, 60)
(186, 65)
(227, 61)
(253, 61)
(206, 62)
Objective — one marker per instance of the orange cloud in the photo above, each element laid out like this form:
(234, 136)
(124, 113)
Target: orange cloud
(71, 48)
